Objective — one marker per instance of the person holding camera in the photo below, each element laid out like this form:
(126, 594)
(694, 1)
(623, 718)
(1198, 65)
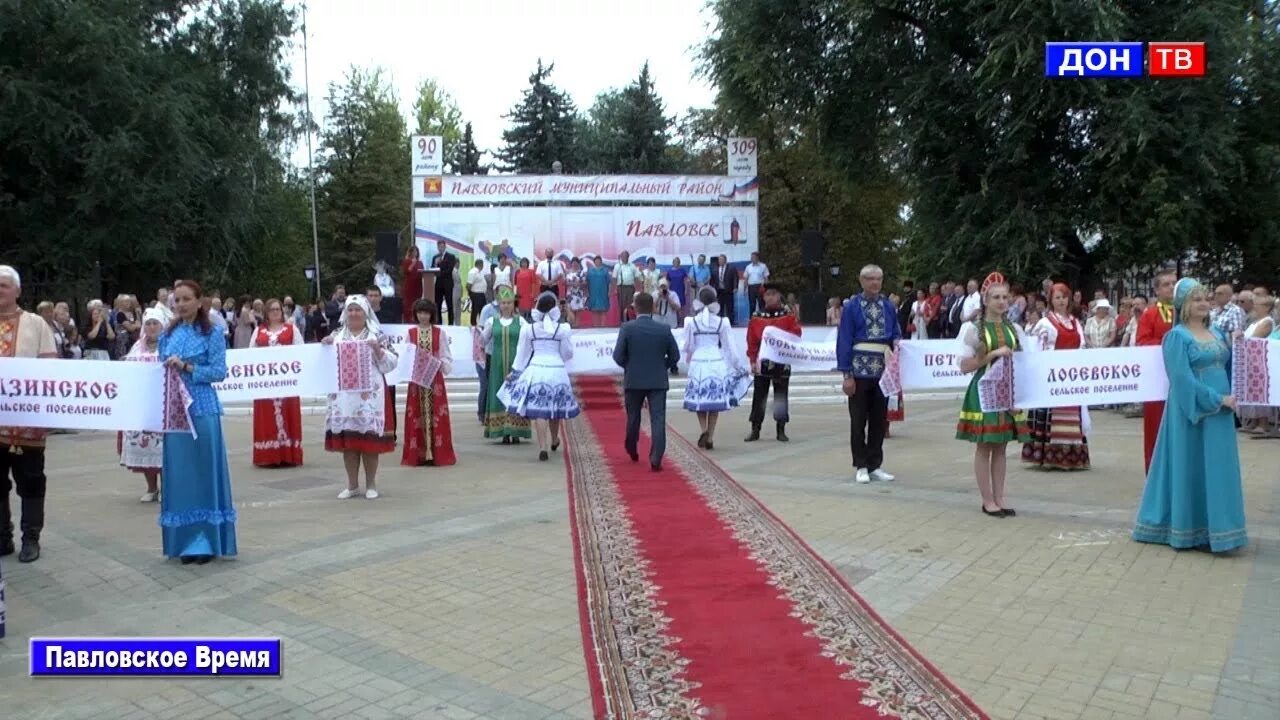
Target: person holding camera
(666, 310)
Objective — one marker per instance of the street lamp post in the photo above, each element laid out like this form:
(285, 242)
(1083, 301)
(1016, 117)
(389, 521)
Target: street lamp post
(314, 273)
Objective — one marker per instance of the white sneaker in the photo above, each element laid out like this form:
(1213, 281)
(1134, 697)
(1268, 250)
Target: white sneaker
(149, 497)
(881, 476)
(348, 494)
(371, 494)
(862, 476)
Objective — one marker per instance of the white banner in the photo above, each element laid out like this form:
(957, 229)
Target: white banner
(427, 152)
(931, 365)
(267, 372)
(1102, 376)
(802, 355)
(584, 188)
(589, 231)
(81, 395)
(743, 153)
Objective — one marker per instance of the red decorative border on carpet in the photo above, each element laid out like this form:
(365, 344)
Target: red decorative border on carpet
(698, 602)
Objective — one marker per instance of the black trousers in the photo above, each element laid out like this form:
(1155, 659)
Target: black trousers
(26, 467)
(444, 295)
(781, 382)
(632, 401)
(725, 298)
(868, 417)
(477, 304)
(754, 301)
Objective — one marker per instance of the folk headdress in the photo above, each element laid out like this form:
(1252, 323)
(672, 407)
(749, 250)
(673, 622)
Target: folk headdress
(371, 323)
(506, 294)
(549, 319)
(993, 279)
(705, 304)
(1182, 292)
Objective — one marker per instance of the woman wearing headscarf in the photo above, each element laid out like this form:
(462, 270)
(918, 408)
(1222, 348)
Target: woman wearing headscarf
(1058, 435)
(197, 514)
(428, 434)
(501, 338)
(362, 424)
(140, 451)
(718, 375)
(539, 388)
(984, 340)
(1193, 496)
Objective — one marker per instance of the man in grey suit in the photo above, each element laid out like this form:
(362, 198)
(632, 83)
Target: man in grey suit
(648, 354)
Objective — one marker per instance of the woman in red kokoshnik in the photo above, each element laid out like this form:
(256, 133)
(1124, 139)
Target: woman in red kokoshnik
(1152, 326)
(277, 423)
(985, 340)
(428, 434)
(1058, 434)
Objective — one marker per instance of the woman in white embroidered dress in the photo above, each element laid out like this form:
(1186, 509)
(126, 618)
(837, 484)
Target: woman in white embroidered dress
(277, 423)
(920, 316)
(140, 451)
(362, 425)
(718, 373)
(539, 387)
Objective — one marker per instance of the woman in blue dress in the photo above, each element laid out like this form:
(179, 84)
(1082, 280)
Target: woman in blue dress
(197, 517)
(1193, 497)
(597, 291)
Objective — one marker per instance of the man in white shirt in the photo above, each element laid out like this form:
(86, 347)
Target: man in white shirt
(624, 276)
(972, 304)
(477, 290)
(756, 273)
(549, 273)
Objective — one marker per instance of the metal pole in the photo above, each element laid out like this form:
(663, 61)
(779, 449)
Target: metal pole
(311, 173)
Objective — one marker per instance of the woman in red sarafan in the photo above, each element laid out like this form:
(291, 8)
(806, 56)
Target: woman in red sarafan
(1058, 435)
(277, 423)
(411, 270)
(428, 434)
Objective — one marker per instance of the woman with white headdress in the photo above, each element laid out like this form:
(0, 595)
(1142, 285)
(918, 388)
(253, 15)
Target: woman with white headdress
(718, 373)
(538, 387)
(141, 451)
(361, 424)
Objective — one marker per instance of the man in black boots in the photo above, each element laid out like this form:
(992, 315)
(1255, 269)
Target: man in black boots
(22, 335)
(767, 373)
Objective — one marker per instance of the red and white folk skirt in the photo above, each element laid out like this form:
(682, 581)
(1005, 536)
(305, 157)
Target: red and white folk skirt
(277, 432)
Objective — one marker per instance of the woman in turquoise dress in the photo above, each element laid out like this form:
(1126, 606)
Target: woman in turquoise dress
(197, 516)
(1193, 497)
(597, 291)
(985, 341)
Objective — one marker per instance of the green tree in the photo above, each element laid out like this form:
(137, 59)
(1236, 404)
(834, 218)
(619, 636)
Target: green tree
(544, 128)
(469, 160)
(363, 174)
(628, 131)
(436, 113)
(146, 137)
(1004, 167)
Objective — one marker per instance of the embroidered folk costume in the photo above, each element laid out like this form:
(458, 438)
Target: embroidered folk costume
(978, 338)
(24, 335)
(770, 373)
(197, 513)
(428, 434)
(538, 387)
(501, 337)
(141, 451)
(868, 332)
(718, 380)
(362, 421)
(1058, 434)
(277, 423)
(1155, 322)
(1193, 496)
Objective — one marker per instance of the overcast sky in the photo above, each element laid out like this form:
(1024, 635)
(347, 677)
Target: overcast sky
(483, 51)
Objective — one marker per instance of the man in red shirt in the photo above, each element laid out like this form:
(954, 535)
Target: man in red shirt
(773, 314)
(1152, 326)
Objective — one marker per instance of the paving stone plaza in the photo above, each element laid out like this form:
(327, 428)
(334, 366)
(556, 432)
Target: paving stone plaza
(453, 595)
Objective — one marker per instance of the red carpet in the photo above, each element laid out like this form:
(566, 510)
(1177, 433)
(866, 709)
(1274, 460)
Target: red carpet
(698, 602)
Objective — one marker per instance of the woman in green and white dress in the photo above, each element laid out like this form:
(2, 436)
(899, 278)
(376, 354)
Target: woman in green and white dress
(501, 336)
(985, 340)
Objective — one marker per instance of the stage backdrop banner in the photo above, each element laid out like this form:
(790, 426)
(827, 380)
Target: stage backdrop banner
(81, 395)
(602, 231)
(584, 188)
(931, 365)
(265, 372)
(803, 356)
(1101, 376)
